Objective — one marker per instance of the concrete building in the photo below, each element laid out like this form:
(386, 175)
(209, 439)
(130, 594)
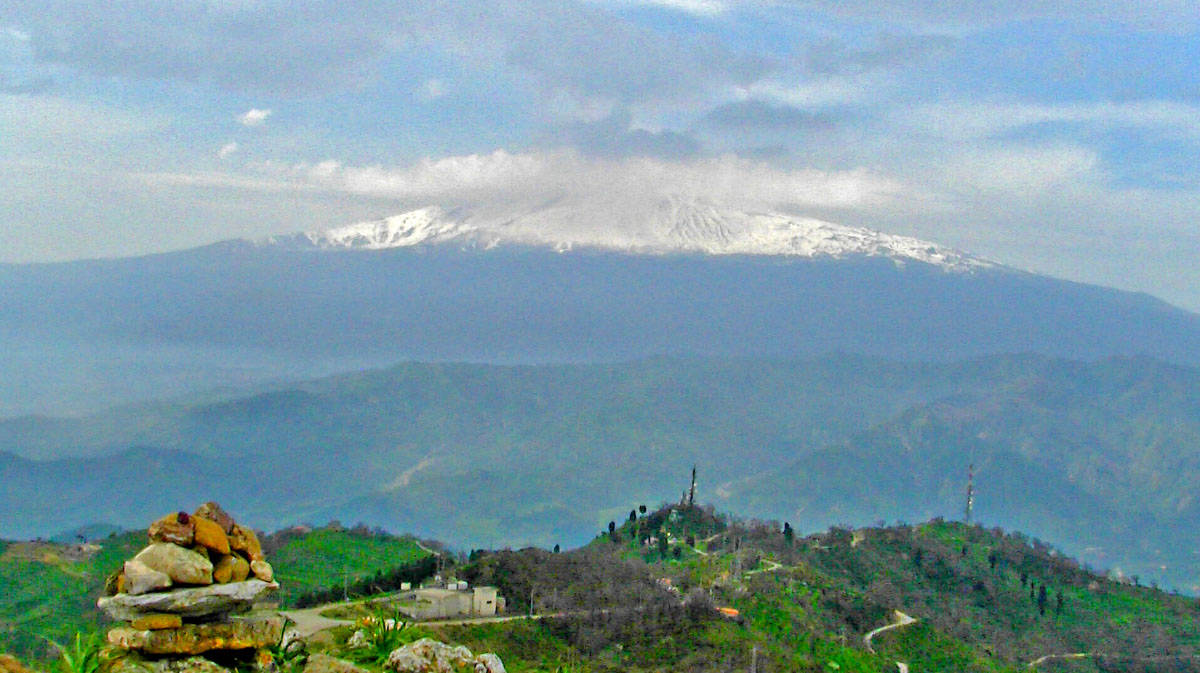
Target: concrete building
(454, 602)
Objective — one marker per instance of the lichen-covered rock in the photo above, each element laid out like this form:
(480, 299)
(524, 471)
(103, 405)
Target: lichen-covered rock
(323, 663)
(489, 663)
(183, 566)
(213, 512)
(175, 528)
(223, 570)
(239, 633)
(141, 579)
(156, 622)
(245, 541)
(357, 640)
(211, 535)
(262, 570)
(216, 599)
(429, 656)
(131, 662)
(241, 569)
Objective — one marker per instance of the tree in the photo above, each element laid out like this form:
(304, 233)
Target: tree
(632, 515)
(1041, 600)
(642, 509)
(612, 527)
(556, 549)
(788, 534)
(662, 543)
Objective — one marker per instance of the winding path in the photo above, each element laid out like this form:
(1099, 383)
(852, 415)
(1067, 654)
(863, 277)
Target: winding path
(899, 619)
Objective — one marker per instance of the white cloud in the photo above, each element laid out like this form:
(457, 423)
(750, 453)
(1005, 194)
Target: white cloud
(433, 89)
(978, 120)
(227, 150)
(698, 7)
(534, 176)
(254, 117)
(537, 177)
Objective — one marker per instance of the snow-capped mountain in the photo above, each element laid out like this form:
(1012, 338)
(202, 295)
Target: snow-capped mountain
(673, 225)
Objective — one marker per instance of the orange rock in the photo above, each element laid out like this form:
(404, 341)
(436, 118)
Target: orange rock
(157, 622)
(213, 512)
(241, 569)
(223, 570)
(209, 534)
(175, 528)
(244, 540)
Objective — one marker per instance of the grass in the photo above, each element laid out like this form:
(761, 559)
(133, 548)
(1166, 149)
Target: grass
(328, 557)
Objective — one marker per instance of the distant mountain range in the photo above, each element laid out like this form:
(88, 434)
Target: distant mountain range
(562, 282)
(1102, 458)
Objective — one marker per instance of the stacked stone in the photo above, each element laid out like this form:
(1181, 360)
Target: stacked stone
(180, 593)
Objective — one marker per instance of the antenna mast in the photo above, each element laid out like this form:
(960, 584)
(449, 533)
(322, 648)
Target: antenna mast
(970, 491)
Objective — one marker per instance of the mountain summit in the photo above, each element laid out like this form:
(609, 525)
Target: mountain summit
(673, 225)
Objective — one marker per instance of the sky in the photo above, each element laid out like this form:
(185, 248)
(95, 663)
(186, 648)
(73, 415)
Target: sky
(1059, 138)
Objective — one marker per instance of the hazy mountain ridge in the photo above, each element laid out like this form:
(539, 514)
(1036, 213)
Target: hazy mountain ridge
(86, 335)
(1092, 455)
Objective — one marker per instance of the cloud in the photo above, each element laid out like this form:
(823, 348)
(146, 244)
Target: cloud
(502, 176)
(982, 120)
(763, 115)
(697, 7)
(254, 117)
(1160, 15)
(227, 150)
(432, 89)
(277, 48)
(886, 51)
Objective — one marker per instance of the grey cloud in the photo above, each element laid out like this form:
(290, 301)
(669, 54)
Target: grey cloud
(613, 137)
(888, 51)
(304, 48)
(1164, 15)
(13, 86)
(764, 116)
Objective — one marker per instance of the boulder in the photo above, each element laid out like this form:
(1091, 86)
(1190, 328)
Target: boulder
(239, 633)
(157, 621)
(175, 528)
(141, 578)
(245, 541)
(241, 569)
(489, 663)
(217, 599)
(323, 663)
(213, 512)
(183, 566)
(427, 655)
(357, 640)
(262, 570)
(223, 570)
(134, 663)
(210, 534)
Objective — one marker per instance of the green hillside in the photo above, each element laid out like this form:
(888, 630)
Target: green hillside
(982, 600)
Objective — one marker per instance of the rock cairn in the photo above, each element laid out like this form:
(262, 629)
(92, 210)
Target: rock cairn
(184, 593)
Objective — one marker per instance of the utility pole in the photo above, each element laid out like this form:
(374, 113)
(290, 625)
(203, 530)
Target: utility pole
(970, 492)
(754, 659)
(692, 491)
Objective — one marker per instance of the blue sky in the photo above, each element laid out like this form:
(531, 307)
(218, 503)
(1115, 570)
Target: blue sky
(1056, 139)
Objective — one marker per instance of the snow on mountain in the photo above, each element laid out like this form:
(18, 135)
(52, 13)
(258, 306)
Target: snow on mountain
(661, 227)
